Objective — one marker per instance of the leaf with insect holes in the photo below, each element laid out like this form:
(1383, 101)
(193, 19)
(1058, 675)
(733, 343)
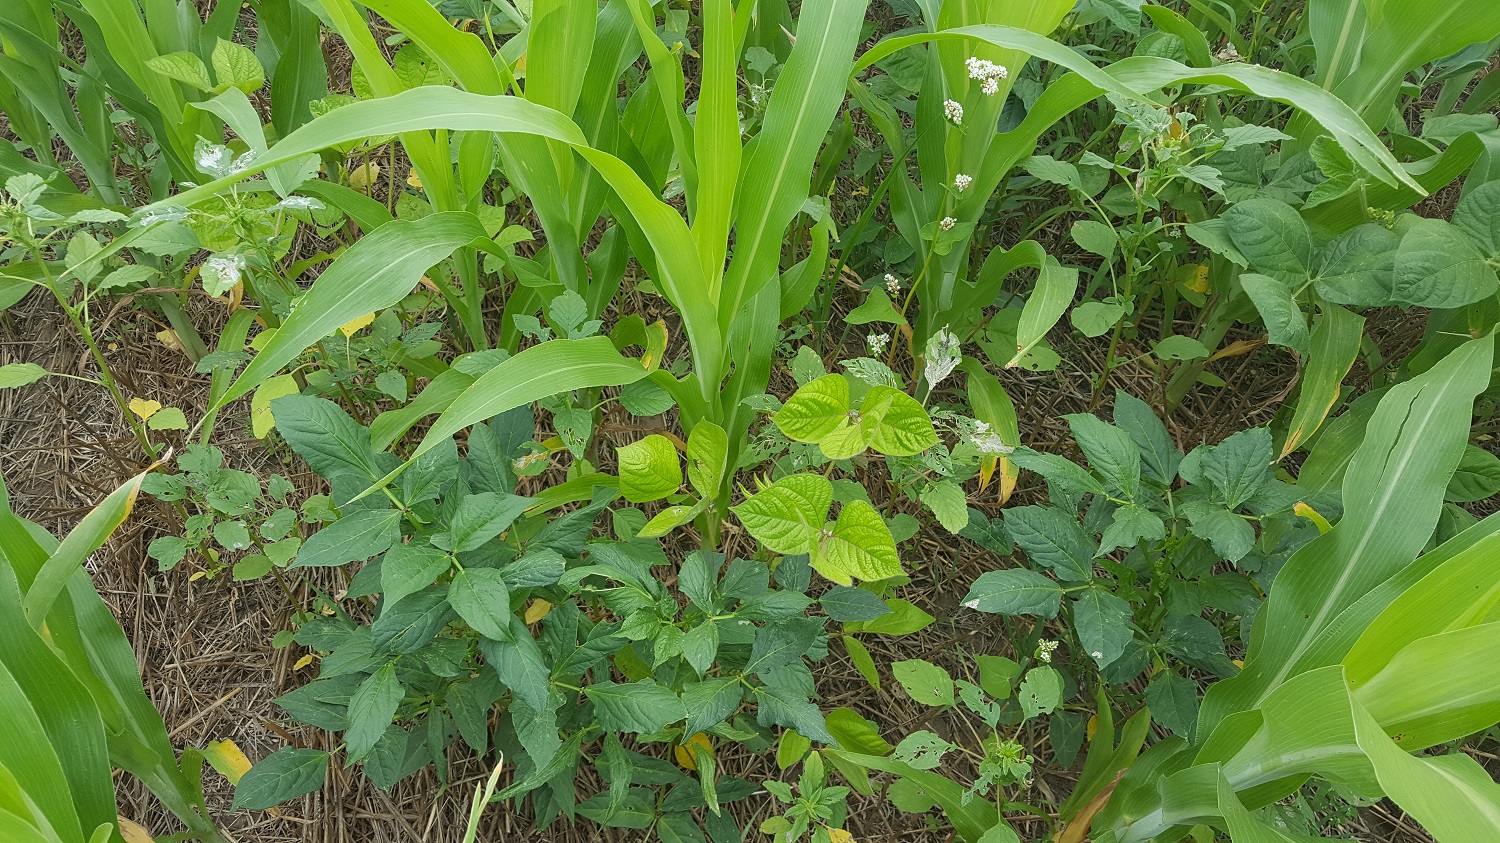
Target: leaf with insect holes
(787, 515)
(815, 410)
(860, 547)
(649, 469)
(1040, 692)
(924, 682)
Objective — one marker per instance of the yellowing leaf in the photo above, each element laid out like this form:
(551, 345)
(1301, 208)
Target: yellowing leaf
(353, 326)
(684, 752)
(1312, 515)
(261, 420)
(363, 176)
(838, 835)
(1198, 283)
(168, 418)
(226, 757)
(414, 180)
(537, 610)
(134, 833)
(303, 662)
(168, 338)
(144, 408)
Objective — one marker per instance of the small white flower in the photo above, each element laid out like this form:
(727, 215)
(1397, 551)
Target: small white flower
(943, 357)
(961, 182)
(1044, 650)
(877, 343)
(947, 223)
(300, 203)
(954, 112)
(987, 72)
(892, 285)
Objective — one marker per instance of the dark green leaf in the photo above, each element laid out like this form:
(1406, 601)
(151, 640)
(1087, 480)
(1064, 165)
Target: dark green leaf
(371, 710)
(482, 599)
(636, 706)
(1015, 592)
(353, 538)
(282, 775)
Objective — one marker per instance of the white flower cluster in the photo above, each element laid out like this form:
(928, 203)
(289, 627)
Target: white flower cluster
(877, 343)
(954, 112)
(961, 182)
(943, 357)
(1044, 650)
(892, 285)
(987, 72)
(947, 223)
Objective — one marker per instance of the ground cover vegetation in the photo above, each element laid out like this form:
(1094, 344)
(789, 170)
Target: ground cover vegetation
(992, 420)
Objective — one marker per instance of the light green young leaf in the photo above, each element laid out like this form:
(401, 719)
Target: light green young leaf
(183, 67)
(237, 67)
(948, 502)
(815, 410)
(1040, 691)
(787, 515)
(707, 457)
(13, 375)
(860, 547)
(898, 424)
(1179, 347)
(649, 469)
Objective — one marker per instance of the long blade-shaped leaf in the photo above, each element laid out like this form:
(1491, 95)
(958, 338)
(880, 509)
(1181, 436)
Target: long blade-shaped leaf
(681, 276)
(778, 172)
(375, 273)
(539, 371)
(1393, 492)
(1335, 342)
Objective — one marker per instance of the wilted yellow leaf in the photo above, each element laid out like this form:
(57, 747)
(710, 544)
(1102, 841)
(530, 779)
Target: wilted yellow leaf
(1312, 515)
(168, 338)
(353, 326)
(143, 407)
(303, 662)
(361, 177)
(838, 835)
(226, 757)
(261, 420)
(414, 180)
(133, 833)
(1198, 282)
(537, 610)
(684, 750)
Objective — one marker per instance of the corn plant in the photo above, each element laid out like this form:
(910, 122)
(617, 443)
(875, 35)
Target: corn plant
(70, 682)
